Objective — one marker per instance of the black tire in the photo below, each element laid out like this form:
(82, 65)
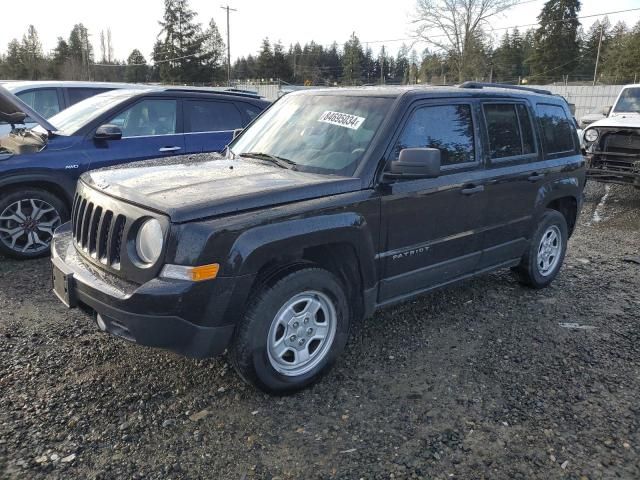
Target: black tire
(528, 272)
(8, 200)
(249, 353)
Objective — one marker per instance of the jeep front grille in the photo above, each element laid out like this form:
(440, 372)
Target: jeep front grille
(97, 232)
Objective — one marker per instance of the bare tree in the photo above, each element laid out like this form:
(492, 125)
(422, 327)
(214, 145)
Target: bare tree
(456, 26)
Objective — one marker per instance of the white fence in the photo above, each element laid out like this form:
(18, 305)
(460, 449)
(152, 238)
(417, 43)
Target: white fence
(586, 98)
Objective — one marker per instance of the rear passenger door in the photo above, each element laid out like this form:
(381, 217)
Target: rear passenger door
(518, 174)
(209, 124)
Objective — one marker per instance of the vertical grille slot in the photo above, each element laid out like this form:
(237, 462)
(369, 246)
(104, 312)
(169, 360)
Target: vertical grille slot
(103, 236)
(77, 221)
(93, 230)
(86, 219)
(115, 241)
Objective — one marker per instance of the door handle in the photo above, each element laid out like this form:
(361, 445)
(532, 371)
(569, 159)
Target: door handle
(169, 149)
(471, 190)
(534, 177)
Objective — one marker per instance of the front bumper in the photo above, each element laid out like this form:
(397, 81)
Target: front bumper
(185, 317)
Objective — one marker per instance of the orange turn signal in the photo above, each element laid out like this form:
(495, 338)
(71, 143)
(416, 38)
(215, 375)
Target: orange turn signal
(205, 272)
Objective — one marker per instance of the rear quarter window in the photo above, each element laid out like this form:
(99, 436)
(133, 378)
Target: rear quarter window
(557, 130)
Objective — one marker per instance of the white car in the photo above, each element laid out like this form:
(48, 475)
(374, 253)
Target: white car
(50, 97)
(612, 145)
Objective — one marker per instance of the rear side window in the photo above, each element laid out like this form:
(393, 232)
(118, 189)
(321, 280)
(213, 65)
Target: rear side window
(211, 116)
(43, 101)
(509, 130)
(449, 128)
(78, 94)
(557, 129)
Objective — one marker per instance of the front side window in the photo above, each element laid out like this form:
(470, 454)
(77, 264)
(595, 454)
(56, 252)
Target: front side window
(208, 116)
(449, 128)
(76, 117)
(320, 133)
(147, 118)
(509, 130)
(44, 101)
(557, 130)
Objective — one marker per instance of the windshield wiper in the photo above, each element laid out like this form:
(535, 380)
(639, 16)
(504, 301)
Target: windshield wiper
(280, 161)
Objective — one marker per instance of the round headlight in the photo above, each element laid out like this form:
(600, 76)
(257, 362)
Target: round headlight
(591, 135)
(149, 241)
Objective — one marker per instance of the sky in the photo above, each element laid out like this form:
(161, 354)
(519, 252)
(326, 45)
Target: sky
(134, 24)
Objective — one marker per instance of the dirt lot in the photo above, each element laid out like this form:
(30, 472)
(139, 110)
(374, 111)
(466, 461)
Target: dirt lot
(486, 380)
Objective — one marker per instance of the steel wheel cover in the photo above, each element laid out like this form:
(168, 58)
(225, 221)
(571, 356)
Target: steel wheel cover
(301, 334)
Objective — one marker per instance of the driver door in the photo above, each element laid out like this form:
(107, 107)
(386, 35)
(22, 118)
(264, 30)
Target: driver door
(150, 129)
(433, 226)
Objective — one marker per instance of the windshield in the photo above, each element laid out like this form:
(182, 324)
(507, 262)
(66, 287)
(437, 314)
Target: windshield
(629, 101)
(69, 121)
(315, 133)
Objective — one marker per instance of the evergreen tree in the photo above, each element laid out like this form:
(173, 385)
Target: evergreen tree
(31, 53)
(15, 68)
(136, 70)
(352, 61)
(556, 42)
(265, 60)
(182, 40)
(213, 54)
(281, 67)
(590, 44)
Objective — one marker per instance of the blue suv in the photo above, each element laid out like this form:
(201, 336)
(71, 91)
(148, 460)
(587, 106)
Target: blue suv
(39, 167)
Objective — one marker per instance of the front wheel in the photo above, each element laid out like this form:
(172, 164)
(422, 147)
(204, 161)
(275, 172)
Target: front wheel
(292, 332)
(27, 220)
(542, 262)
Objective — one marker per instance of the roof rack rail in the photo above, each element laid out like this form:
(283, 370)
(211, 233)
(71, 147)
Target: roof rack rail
(227, 91)
(502, 85)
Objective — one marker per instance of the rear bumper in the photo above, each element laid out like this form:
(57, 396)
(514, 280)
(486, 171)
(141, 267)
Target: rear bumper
(169, 314)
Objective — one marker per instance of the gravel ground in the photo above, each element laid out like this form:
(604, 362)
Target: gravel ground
(484, 380)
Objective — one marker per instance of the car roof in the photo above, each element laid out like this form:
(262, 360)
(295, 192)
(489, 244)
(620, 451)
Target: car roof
(196, 92)
(431, 91)
(18, 86)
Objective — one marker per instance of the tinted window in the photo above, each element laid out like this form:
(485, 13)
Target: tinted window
(509, 130)
(526, 128)
(147, 118)
(557, 129)
(448, 128)
(251, 110)
(44, 101)
(78, 94)
(206, 116)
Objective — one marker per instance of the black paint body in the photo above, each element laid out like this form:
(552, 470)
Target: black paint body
(389, 239)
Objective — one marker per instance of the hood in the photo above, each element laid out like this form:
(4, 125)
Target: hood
(627, 120)
(13, 110)
(200, 186)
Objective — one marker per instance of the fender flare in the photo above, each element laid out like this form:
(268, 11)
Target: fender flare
(61, 183)
(256, 247)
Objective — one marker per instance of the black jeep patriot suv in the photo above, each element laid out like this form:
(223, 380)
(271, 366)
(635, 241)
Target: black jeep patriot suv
(333, 203)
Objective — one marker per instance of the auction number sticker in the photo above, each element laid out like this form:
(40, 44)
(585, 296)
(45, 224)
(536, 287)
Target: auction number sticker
(342, 119)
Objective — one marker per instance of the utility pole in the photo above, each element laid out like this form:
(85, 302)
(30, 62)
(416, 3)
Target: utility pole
(228, 9)
(595, 70)
(382, 67)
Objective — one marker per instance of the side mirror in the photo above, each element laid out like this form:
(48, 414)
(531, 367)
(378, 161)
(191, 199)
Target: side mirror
(237, 132)
(607, 110)
(108, 132)
(417, 163)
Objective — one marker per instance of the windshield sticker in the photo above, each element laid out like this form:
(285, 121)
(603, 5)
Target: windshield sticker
(342, 119)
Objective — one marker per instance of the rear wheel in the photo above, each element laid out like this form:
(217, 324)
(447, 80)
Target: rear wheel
(28, 219)
(292, 332)
(543, 261)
